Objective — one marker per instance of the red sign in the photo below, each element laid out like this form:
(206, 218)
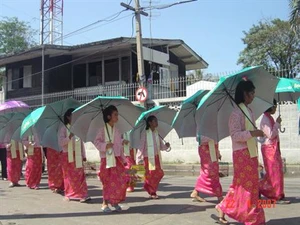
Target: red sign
(141, 94)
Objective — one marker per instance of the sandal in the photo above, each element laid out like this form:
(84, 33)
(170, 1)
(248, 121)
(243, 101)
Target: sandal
(117, 208)
(105, 209)
(221, 217)
(196, 198)
(283, 202)
(83, 200)
(153, 197)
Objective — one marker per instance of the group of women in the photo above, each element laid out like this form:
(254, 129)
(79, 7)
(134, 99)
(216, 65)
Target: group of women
(66, 173)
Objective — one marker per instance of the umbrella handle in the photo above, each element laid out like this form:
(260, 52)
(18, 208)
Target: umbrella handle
(169, 149)
(282, 130)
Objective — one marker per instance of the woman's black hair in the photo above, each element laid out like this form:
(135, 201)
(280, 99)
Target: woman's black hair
(271, 108)
(108, 111)
(67, 114)
(243, 86)
(149, 120)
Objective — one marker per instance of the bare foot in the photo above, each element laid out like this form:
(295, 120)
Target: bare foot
(222, 219)
(194, 195)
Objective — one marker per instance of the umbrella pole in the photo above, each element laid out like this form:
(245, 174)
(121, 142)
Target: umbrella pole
(281, 130)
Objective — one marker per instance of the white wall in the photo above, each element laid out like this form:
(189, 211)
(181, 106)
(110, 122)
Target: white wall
(185, 151)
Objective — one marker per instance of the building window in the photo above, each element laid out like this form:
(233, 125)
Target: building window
(111, 70)
(27, 80)
(17, 78)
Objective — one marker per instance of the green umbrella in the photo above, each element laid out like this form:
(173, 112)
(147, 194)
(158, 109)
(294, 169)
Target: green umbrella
(184, 122)
(215, 107)
(164, 116)
(47, 121)
(87, 119)
(298, 104)
(287, 90)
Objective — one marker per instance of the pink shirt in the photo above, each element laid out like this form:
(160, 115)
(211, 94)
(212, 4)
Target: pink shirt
(237, 129)
(100, 143)
(143, 145)
(63, 141)
(270, 130)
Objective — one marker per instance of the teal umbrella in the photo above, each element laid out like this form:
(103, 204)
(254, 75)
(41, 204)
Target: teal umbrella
(11, 131)
(164, 116)
(87, 119)
(298, 104)
(215, 107)
(184, 122)
(287, 90)
(47, 121)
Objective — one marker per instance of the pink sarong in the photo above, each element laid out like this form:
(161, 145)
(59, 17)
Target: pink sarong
(208, 182)
(131, 179)
(33, 171)
(241, 202)
(113, 181)
(271, 186)
(152, 177)
(74, 179)
(14, 167)
(54, 167)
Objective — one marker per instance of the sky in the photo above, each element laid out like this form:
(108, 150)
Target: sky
(212, 28)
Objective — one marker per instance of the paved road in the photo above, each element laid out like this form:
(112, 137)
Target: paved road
(21, 206)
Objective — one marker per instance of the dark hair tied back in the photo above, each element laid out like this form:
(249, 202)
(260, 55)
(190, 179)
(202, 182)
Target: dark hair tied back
(149, 120)
(108, 111)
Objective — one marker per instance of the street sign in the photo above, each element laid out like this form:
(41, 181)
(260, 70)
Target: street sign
(141, 94)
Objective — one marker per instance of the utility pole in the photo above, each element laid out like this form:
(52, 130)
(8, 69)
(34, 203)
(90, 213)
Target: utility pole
(139, 41)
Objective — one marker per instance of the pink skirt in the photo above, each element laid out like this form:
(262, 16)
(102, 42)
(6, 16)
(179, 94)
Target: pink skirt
(54, 167)
(14, 167)
(131, 178)
(241, 202)
(74, 179)
(113, 181)
(271, 186)
(152, 177)
(208, 182)
(33, 171)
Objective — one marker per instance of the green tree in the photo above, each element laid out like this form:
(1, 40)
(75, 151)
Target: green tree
(15, 35)
(295, 14)
(274, 45)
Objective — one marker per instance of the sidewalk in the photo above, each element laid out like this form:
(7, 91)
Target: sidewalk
(22, 206)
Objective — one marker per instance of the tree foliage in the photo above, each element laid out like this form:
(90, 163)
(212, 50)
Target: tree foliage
(295, 15)
(15, 35)
(274, 45)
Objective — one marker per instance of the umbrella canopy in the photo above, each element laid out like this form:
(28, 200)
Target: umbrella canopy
(164, 116)
(13, 106)
(214, 109)
(287, 90)
(184, 123)
(11, 131)
(47, 121)
(298, 103)
(87, 119)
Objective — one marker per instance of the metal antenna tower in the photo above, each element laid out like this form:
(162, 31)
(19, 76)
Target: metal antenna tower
(51, 28)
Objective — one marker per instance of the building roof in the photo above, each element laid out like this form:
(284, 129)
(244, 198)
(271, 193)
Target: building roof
(191, 59)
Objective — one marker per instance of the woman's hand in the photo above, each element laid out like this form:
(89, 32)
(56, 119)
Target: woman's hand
(109, 145)
(84, 159)
(168, 145)
(257, 133)
(71, 135)
(125, 142)
(278, 120)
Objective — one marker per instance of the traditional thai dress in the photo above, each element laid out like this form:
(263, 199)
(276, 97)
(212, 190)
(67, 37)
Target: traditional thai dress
(241, 201)
(209, 182)
(72, 165)
(15, 156)
(271, 186)
(130, 161)
(54, 169)
(150, 147)
(112, 170)
(33, 172)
